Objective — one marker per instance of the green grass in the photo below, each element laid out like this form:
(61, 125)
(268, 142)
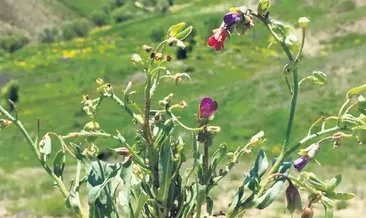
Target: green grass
(246, 79)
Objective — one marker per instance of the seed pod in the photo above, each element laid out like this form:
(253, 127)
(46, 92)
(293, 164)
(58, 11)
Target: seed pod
(307, 213)
(147, 48)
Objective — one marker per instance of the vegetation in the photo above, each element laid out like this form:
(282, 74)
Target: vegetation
(53, 77)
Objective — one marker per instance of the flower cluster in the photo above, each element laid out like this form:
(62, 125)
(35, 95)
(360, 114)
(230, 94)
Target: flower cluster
(238, 18)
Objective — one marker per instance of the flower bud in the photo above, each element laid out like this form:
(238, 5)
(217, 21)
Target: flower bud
(122, 151)
(319, 78)
(263, 6)
(172, 41)
(158, 56)
(99, 81)
(310, 151)
(293, 198)
(213, 129)
(92, 126)
(307, 213)
(257, 138)
(147, 48)
(4, 123)
(168, 58)
(303, 22)
(136, 59)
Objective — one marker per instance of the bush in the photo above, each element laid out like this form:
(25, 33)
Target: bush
(75, 28)
(121, 15)
(13, 43)
(157, 34)
(49, 35)
(11, 91)
(99, 18)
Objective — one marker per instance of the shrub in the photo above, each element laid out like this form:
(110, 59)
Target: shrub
(49, 35)
(11, 91)
(75, 28)
(13, 43)
(99, 18)
(121, 15)
(157, 34)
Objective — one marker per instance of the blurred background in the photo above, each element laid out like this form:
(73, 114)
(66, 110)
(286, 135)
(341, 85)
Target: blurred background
(51, 52)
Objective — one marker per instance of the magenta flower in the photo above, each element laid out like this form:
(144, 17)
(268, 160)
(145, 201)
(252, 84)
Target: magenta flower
(301, 162)
(232, 18)
(208, 107)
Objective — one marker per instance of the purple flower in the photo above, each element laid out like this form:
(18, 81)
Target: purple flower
(232, 18)
(301, 162)
(293, 198)
(208, 107)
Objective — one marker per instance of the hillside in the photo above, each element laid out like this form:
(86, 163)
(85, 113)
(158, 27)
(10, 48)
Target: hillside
(245, 78)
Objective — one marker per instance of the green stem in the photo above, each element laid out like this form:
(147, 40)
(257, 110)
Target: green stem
(58, 181)
(309, 137)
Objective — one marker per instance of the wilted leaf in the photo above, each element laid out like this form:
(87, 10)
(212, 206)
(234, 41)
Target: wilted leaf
(45, 145)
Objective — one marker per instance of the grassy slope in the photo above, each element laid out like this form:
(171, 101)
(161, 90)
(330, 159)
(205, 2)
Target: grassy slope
(245, 78)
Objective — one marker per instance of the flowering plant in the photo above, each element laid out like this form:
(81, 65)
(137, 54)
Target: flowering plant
(146, 177)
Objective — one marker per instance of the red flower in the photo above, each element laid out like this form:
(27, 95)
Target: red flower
(217, 39)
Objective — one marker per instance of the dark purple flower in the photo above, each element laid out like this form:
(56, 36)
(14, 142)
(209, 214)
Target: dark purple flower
(207, 107)
(232, 18)
(301, 162)
(293, 198)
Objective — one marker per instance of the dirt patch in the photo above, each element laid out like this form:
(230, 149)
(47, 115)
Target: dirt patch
(316, 42)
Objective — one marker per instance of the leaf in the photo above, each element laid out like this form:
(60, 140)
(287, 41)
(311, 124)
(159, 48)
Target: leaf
(271, 194)
(356, 91)
(59, 163)
(362, 104)
(166, 168)
(45, 145)
(328, 205)
(340, 196)
(142, 199)
(175, 29)
(334, 182)
(217, 157)
(261, 163)
(185, 33)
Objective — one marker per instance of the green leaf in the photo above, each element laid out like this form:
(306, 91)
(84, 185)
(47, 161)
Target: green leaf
(316, 183)
(166, 169)
(340, 196)
(334, 182)
(261, 163)
(319, 78)
(328, 205)
(362, 104)
(360, 131)
(175, 29)
(59, 163)
(217, 157)
(356, 91)
(185, 33)
(271, 194)
(142, 199)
